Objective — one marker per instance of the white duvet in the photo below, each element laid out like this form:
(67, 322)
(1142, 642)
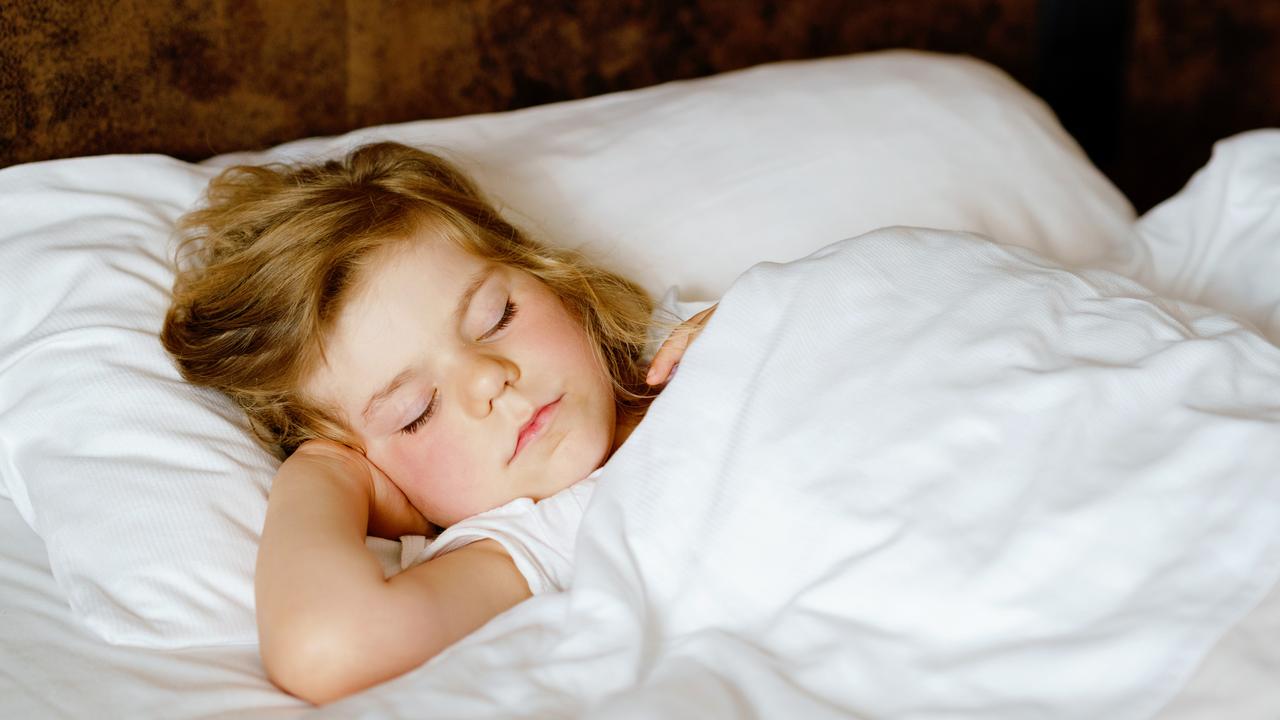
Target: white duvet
(915, 475)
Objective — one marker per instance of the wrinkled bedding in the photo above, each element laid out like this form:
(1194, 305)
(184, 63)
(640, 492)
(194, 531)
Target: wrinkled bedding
(915, 475)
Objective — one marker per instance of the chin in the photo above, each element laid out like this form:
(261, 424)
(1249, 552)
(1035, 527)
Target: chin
(575, 462)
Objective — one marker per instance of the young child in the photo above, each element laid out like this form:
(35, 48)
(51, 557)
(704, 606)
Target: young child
(421, 364)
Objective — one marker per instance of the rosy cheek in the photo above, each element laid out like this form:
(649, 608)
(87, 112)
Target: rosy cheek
(557, 339)
(431, 470)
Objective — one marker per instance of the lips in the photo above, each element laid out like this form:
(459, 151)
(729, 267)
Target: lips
(533, 429)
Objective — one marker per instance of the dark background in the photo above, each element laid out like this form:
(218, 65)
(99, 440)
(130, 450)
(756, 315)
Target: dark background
(1146, 85)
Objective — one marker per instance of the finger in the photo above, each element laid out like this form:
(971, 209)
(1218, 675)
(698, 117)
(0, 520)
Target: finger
(658, 370)
(673, 348)
(667, 357)
(701, 318)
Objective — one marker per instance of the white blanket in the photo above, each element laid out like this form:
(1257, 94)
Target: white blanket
(915, 475)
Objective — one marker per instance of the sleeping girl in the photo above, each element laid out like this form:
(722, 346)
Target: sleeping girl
(425, 369)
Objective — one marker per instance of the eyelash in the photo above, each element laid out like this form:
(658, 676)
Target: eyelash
(417, 424)
(508, 314)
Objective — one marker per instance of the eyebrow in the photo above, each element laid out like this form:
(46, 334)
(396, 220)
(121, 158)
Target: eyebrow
(464, 301)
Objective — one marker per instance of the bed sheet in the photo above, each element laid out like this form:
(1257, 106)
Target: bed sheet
(51, 667)
(638, 588)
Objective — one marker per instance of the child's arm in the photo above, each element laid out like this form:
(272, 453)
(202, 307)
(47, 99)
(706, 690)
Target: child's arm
(328, 623)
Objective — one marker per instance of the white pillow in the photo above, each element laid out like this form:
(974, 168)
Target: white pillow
(1217, 242)
(150, 494)
(690, 183)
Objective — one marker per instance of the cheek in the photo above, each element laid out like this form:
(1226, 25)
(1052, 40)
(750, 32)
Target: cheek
(562, 342)
(433, 471)
(567, 350)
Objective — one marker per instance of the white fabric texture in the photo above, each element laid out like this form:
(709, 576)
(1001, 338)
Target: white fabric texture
(917, 475)
(150, 495)
(539, 536)
(692, 182)
(53, 667)
(1217, 242)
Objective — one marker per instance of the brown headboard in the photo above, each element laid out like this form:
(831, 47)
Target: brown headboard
(1145, 85)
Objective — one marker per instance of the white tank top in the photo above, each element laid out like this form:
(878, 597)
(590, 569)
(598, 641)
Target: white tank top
(539, 536)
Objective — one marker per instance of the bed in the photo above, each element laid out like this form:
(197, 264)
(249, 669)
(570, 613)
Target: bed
(129, 532)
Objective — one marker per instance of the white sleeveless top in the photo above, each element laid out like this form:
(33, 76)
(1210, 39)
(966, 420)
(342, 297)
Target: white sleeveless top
(539, 536)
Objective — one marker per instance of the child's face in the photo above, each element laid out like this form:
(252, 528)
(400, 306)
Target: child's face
(399, 330)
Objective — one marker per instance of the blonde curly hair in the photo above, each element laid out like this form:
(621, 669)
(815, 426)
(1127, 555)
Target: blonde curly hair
(265, 266)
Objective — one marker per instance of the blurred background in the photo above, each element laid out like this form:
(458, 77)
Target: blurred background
(1146, 86)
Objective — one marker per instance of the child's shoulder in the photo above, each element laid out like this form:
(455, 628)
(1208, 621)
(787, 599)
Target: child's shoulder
(539, 535)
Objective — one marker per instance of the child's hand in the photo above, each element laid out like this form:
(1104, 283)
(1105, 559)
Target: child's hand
(668, 356)
(390, 512)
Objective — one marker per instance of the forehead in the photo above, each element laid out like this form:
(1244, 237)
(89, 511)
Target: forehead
(424, 268)
(428, 254)
(401, 304)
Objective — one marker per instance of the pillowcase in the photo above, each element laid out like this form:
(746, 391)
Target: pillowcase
(690, 183)
(1217, 242)
(150, 494)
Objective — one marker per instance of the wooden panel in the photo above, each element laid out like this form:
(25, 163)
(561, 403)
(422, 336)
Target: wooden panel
(196, 78)
(1198, 71)
(419, 60)
(187, 78)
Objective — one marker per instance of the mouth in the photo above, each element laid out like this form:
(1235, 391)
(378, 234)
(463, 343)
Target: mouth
(534, 429)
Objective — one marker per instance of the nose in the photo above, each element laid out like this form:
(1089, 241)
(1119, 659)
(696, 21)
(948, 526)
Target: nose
(483, 379)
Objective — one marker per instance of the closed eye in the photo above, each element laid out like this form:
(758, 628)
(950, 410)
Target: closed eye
(422, 419)
(508, 313)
